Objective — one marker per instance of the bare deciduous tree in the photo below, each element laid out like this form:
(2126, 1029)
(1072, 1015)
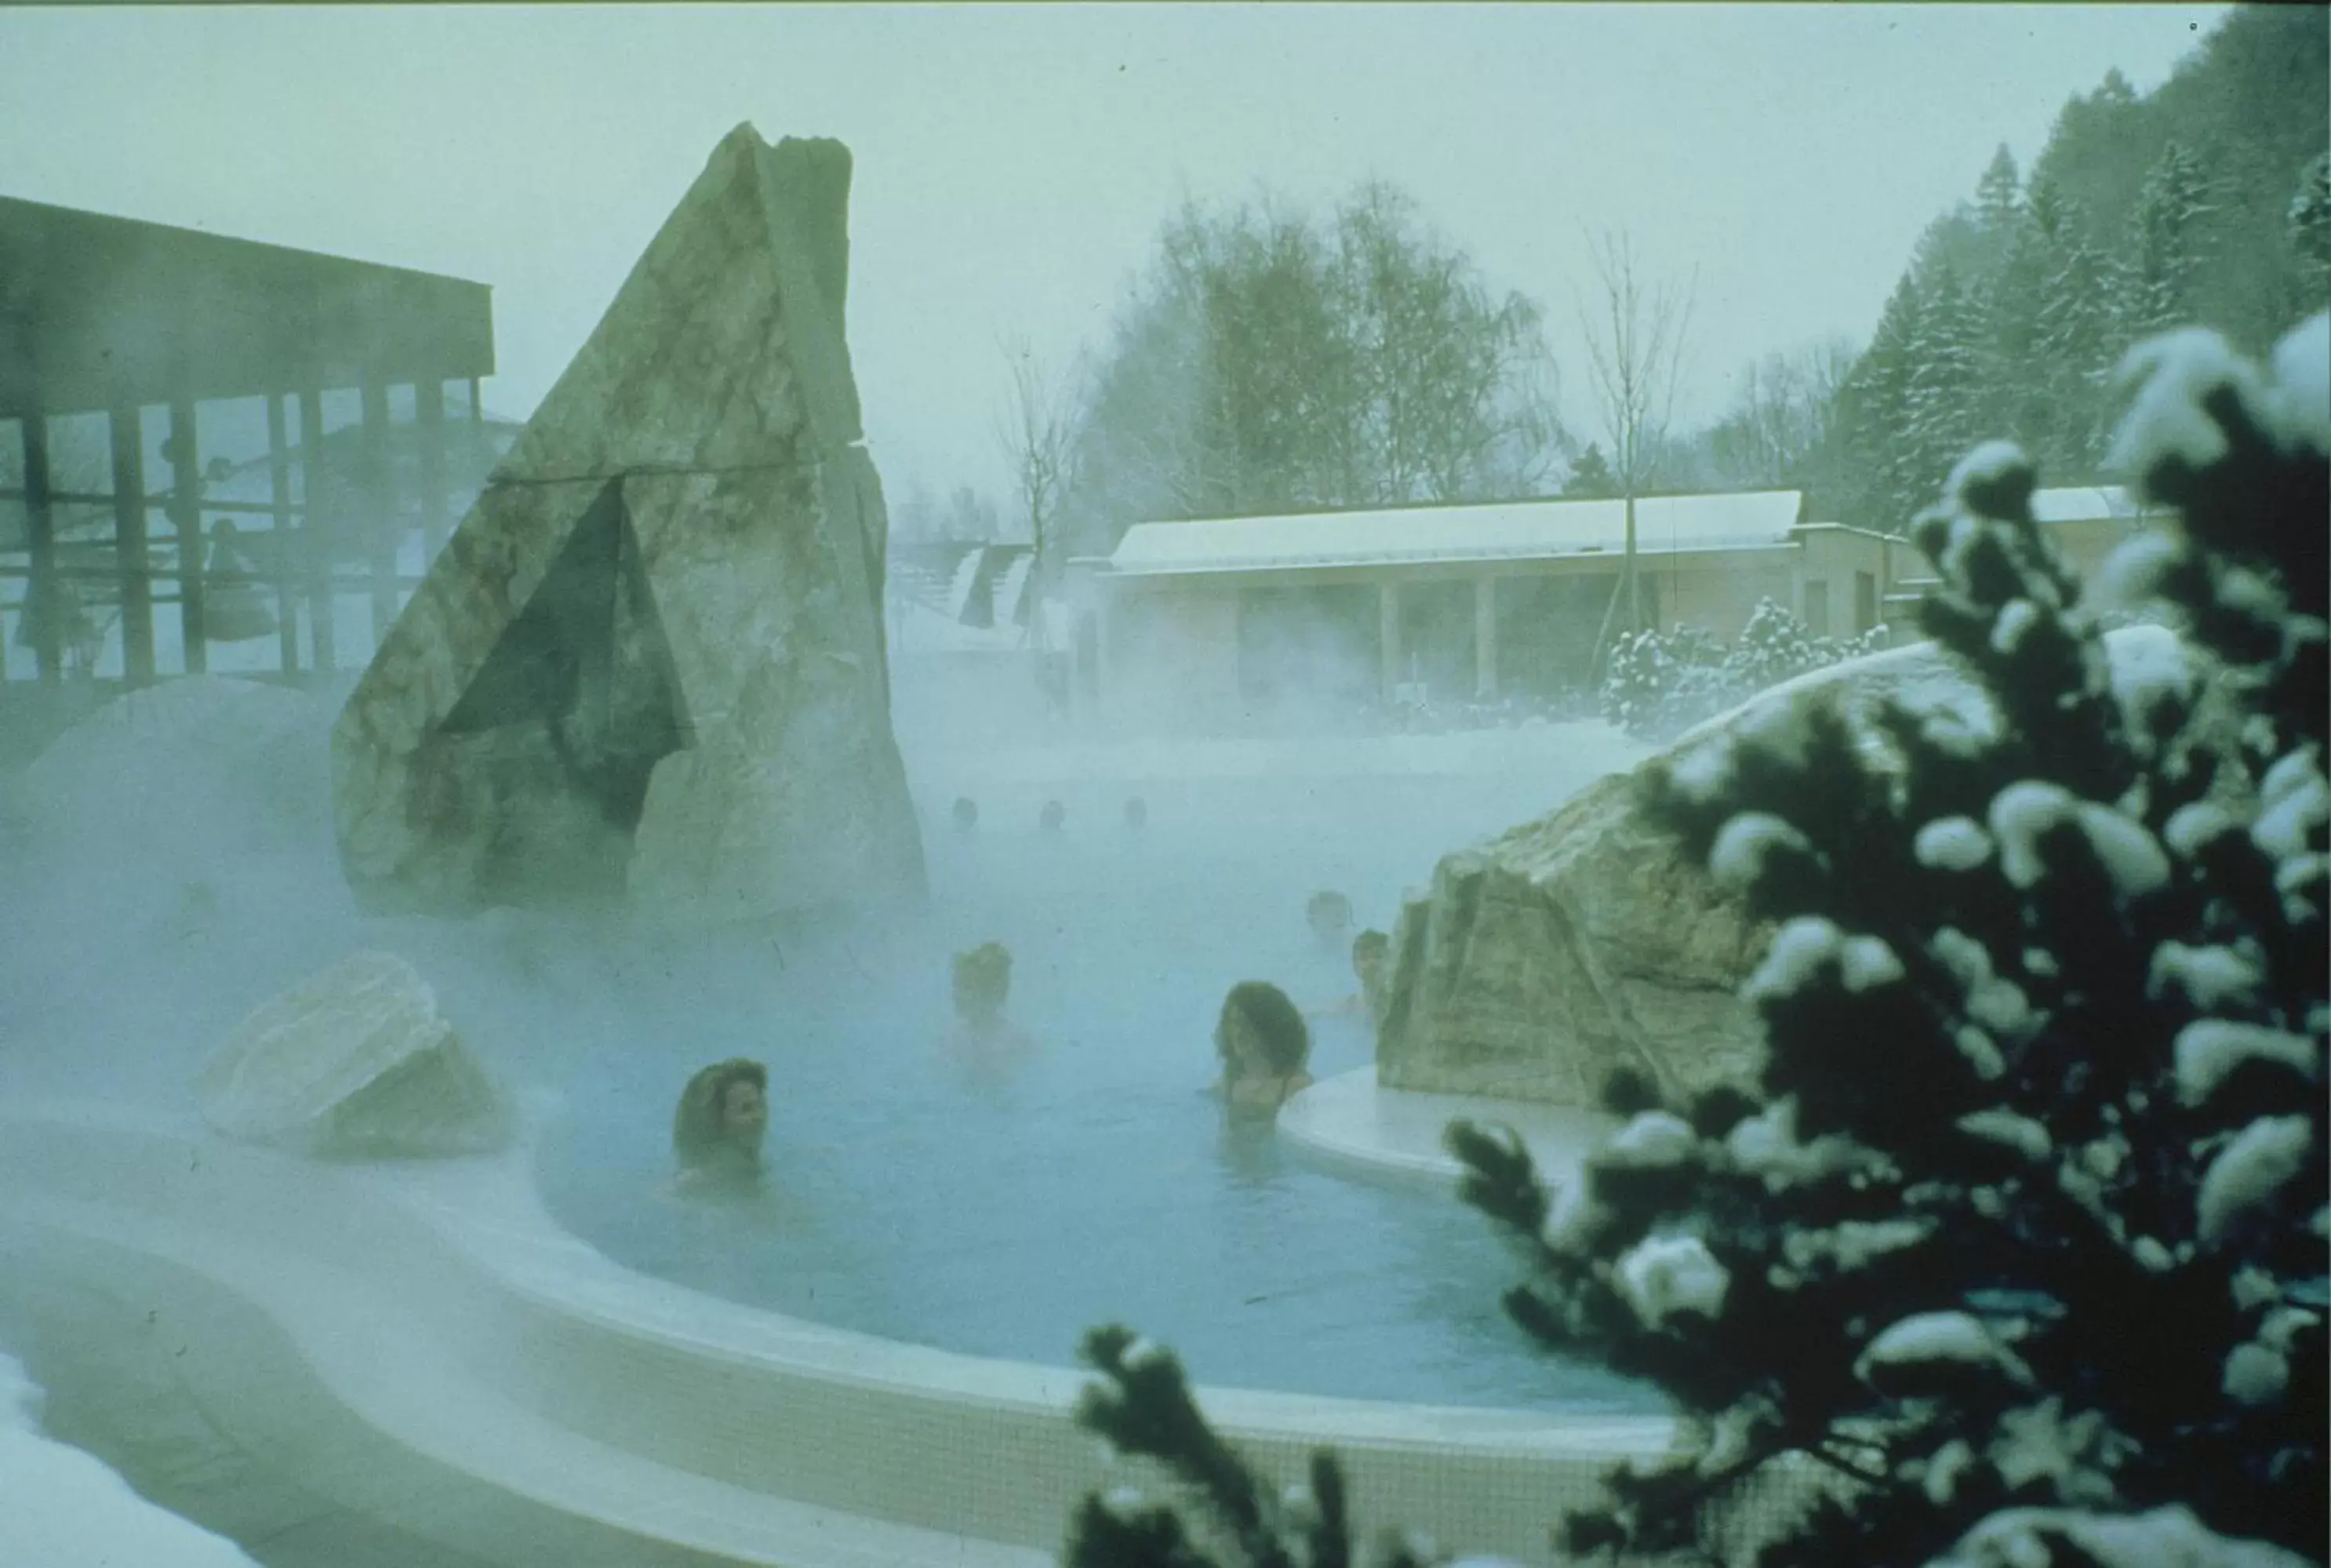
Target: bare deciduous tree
(1780, 415)
(1273, 361)
(1037, 430)
(1634, 349)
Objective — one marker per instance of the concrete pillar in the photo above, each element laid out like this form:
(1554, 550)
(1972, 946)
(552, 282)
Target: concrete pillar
(384, 533)
(429, 413)
(1388, 636)
(185, 512)
(1797, 580)
(315, 533)
(129, 442)
(1484, 639)
(279, 494)
(45, 600)
(1103, 688)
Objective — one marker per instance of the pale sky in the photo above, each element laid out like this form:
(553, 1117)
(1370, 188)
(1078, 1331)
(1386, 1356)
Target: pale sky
(1013, 163)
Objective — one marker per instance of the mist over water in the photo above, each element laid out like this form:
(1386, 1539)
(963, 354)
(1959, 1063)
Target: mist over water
(157, 905)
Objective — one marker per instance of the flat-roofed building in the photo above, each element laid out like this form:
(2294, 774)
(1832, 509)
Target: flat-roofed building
(1234, 622)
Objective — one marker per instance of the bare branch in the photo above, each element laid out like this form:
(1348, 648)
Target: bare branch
(1635, 345)
(1037, 430)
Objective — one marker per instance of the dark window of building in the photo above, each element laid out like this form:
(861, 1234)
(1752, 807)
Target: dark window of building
(1309, 645)
(1436, 638)
(1088, 652)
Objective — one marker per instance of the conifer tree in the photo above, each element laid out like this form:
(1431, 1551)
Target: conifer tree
(1942, 403)
(2309, 226)
(1876, 398)
(2076, 333)
(2016, 398)
(1998, 194)
(2165, 250)
(1590, 476)
(2020, 1241)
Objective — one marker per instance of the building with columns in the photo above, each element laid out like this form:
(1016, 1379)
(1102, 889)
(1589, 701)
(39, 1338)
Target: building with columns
(210, 445)
(1313, 617)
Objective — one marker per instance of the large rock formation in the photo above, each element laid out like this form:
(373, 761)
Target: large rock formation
(1583, 941)
(1541, 960)
(356, 1062)
(649, 662)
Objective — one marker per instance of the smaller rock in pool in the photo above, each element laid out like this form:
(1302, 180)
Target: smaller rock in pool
(355, 1063)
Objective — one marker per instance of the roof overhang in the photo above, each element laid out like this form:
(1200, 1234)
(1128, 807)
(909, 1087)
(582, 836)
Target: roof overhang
(103, 312)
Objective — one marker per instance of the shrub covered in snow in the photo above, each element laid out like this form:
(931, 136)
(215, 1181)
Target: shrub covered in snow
(2020, 1243)
(1660, 684)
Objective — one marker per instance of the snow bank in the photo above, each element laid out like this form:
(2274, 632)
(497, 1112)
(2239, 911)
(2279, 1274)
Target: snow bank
(65, 1509)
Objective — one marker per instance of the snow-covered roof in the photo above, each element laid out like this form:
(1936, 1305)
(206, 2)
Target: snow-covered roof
(1498, 531)
(2085, 503)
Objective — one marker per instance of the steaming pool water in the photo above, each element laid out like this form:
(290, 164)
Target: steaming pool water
(1097, 1184)
(1003, 1218)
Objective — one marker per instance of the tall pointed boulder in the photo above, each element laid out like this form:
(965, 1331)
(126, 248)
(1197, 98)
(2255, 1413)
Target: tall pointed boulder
(649, 662)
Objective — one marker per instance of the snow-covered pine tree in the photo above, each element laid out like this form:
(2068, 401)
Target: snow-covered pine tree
(2309, 227)
(2015, 397)
(2166, 234)
(1876, 407)
(1943, 399)
(1772, 647)
(2037, 1161)
(1635, 687)
(2077, 335)
(2022, 1237)
(1998, 195)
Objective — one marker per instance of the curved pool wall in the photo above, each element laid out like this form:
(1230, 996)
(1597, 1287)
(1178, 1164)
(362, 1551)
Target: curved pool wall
(421, 1344)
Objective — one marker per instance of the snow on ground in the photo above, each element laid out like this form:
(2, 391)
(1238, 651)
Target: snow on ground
(65, 1509)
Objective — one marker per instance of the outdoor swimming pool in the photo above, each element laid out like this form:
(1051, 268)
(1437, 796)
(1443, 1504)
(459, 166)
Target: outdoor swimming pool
(1098, 1183)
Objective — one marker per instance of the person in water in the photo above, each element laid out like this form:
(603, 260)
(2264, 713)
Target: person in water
(717, 1130)
(982, 985)
(1371, 966)
(986, 1044)
(1265, 1049)
(966, 813)
(1329, 916)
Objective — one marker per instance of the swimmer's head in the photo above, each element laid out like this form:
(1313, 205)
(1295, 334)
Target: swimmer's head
(1260, 1032)
(724, 1111)
(982, 983)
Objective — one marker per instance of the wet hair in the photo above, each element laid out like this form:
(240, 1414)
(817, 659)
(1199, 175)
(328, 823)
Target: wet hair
(698, 1134)
(985, 970)
(1329, 905)
(1053, 814)
(1137, 813)
(1370, 944)
(1277, 1022)
(966, 812)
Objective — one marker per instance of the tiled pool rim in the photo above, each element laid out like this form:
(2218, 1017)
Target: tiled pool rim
(455, 1363)
(1350, 1123)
